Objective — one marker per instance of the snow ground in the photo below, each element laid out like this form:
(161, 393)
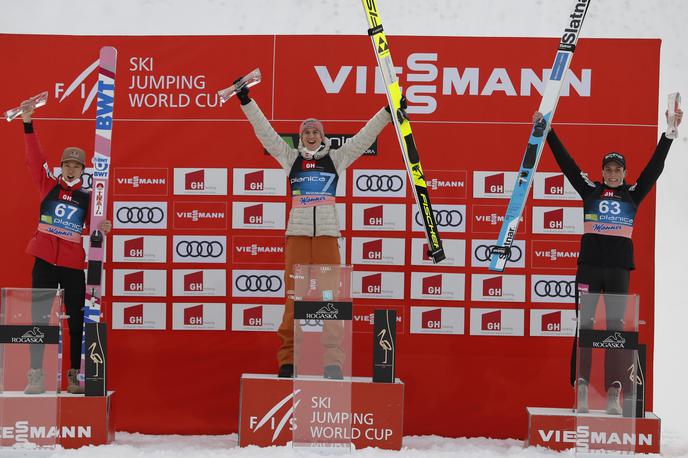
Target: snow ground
(665, 19)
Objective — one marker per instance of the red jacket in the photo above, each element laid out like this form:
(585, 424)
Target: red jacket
(48, 247)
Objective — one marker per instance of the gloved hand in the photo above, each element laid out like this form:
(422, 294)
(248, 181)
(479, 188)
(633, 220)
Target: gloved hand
(242, 94)
(401, 112)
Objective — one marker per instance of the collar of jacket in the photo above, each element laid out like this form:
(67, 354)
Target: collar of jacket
(323, 151)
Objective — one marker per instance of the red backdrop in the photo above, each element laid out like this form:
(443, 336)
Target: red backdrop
(472, 104)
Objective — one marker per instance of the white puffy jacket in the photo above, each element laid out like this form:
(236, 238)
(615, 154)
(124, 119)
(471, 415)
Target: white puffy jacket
(320, 220)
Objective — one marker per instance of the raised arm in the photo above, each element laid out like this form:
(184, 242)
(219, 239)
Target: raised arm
(578, 179)
(355, 146)
(35, 159)
(648, 177)
(271, 141)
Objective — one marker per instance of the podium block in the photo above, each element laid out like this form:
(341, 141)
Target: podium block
(561, 429)
(81, 421)
(266, 412)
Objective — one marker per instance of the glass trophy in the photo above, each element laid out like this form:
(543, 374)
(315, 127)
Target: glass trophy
(672, 110)
(27, 105)
(249, 80)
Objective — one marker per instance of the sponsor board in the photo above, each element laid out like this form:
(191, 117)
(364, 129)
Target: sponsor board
(560, 289)
(258, 215)
(197, 282)
(200, 215)
(481, 253)
(498, 288)
(386, 251)
(446, 183)
(202, 317)
(496, 185)
(488, 219)
(139, 248)
(449, 218)
(557, 220)
(437, 320)
(377, 285)
(266, 411)
(499, 322)
(553, 186)
(438, 286)
(139, 282)
(554, 254)
(378, 217)
(552, 322)
(132, 315)
(139, 215)
(454, 249)
(259, 182)
(140, 181)
(364, 317)
(204, 181)
(257, 283)
(257, 317)
(199, 249)
(379, 183)
(258, 250)
(562, 429)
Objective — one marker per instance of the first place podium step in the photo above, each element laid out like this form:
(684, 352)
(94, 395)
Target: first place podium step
(49, 419)
(266, 411)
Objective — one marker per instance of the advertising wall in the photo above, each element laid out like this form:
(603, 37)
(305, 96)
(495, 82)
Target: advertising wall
(194, 284)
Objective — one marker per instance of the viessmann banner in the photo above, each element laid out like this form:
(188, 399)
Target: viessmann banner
(195, 279)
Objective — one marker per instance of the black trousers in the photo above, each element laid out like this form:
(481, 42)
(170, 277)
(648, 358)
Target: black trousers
(73, 281)
(611, 280)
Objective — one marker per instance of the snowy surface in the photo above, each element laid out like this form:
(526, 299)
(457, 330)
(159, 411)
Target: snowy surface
(665, 19)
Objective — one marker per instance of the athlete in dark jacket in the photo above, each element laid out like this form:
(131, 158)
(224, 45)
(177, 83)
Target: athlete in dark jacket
(57, 247)
(606, 253)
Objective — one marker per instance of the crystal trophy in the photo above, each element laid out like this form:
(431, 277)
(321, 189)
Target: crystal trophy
(673, 109)
(249, 80)
(27, 105)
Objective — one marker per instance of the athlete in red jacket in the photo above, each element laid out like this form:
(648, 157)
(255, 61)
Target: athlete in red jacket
(57, 247)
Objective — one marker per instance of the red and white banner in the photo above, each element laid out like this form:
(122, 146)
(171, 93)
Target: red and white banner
(193, 190)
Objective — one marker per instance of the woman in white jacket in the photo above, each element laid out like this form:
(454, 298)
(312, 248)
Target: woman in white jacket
(312, 232)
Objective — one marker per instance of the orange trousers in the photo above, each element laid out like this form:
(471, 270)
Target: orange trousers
(308, 250)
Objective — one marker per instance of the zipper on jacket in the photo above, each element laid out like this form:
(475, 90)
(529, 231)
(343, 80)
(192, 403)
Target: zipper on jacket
(314, 221)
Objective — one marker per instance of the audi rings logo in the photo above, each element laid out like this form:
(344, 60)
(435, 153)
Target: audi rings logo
(379, 183)
(199, 249)
(444, 218)
(254, 283)
(484, 253)
(555, 288)
(136, 215)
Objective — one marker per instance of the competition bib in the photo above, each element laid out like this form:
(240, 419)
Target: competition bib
(610, 217)
(313, 184)
(62, 220)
